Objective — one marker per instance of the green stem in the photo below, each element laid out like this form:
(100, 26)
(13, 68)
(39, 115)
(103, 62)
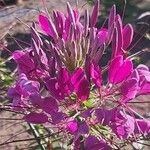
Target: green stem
(37, 136)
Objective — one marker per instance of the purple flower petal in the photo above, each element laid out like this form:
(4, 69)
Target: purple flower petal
(127, 36)
(70, 13)
(114, 42)
(123, 125)
(120, 69)
(77, 76)
(145, 89)
(59, 21)
(96, 75)
(94, 15)
(83, 128)
(120, 36)
(44, 23)
(64, 81)
(12, 92)
(142, 126)
(49, 104)
(24, 62)
(114, 67)
(87, 113)
(92, 143)
(53, 88)
(48, 26)
(112, 16)
(104, 116)
(83, 89)
(36, 118)
(36, 100)
(143, 72)
(72, 126)
(102, 35)
(130, 88)
(57, 117)
(26, 87)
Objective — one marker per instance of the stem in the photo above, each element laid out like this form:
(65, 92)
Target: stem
(140, 102)
(37, 136)
(143, 144)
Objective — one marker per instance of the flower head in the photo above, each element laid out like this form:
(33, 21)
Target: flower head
(62, 84)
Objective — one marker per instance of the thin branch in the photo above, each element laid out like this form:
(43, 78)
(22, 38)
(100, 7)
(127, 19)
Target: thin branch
(143, 144)
(37, 136)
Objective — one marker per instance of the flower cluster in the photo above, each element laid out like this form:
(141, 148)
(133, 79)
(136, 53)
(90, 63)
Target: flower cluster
(61, 83)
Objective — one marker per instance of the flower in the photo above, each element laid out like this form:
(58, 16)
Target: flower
(62, 84)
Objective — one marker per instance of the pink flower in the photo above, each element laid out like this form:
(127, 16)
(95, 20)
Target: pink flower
(72, 126)
(122, 37)
(62, 84)
(119, 69)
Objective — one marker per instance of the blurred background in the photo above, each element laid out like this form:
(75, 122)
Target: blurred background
(15, 18)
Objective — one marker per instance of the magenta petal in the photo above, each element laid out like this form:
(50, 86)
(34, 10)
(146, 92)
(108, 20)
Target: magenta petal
(64, 81)
(142, 126)
(53, 88)
(119, 69)
(76, 15)
(79, 30)
(72, 126)
(92, 143)
(11, 93)
(31, 87)
(63, 76)
(112, 16)
(127, 36)
(36, 100)
(48, 26)
(114, 43)
(102, 35)
(49, 104)
(83, 89)
(145, 89)
(105, 116)
(24, 62)
(94, 16)
(81, 84)
(87, 113)
(110, 34)
(83, 128)
(144, 72)
(123, 125)
(130, 88)
(71, 14)
(96, 75)
(26, 87)
(36, 118)
(142, 67)
(59, 20)
(120, 36)
(77, 76)
(135, 75)
(124, 71)
(87, 67)
(86, 22)
(44, 23)
(114, 67)
(57, 117)
(67, 28)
